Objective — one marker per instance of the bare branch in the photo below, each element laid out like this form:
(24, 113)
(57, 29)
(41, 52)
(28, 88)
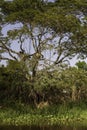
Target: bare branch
(4, 58)
(21, 45)
(61, 60)
(10, 51)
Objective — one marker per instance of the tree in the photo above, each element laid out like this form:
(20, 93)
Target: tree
(74, 82)
(48, 34)
(81, 65)
(47, 29)
(14, 85)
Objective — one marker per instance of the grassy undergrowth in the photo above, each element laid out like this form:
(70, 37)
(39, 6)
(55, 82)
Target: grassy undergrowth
(21, 114)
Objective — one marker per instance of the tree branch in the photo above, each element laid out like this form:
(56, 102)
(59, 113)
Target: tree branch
(10, 51)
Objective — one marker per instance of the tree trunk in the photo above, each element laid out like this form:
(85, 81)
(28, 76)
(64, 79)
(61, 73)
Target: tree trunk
(79, 94)
(73, 93)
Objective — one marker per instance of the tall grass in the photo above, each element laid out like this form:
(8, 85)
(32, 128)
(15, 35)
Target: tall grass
(21, 114)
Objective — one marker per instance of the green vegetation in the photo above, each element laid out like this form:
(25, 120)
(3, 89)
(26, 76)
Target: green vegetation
(59, 86)
(53, 115)
(57, 97)
(37, 84)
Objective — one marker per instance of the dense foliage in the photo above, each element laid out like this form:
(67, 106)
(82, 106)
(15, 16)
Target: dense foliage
(40, 39)
(55, 87)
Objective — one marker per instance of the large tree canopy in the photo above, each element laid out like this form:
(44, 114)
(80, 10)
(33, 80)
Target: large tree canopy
(48, 33)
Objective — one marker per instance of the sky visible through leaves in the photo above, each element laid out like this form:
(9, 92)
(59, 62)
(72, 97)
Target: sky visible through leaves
(15, 46)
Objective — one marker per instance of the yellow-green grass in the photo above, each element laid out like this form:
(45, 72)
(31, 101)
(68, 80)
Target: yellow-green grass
(53, 115)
